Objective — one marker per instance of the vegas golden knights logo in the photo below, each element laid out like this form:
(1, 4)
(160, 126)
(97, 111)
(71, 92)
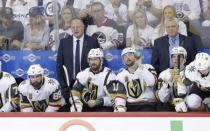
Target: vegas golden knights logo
(39, 106)
(93, 89)
(134, 88)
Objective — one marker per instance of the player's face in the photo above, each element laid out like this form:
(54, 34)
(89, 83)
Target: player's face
(129, 59)
(36, 81)
(95, 63)
(77, 28)
(174, 60)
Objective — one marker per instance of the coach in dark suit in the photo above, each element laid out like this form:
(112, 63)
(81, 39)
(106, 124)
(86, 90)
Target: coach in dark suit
(72, 53)
(163, 45)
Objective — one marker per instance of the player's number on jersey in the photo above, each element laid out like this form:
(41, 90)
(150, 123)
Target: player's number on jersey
(57, 95)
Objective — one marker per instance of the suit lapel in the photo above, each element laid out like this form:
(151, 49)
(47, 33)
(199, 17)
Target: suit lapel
(84, 50)
(181, 40)
(166, 48)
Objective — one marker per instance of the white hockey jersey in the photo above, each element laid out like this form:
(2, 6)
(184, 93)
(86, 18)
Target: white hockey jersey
(107, 34)
(8, 92)
(139, 85)
(48, 95)
(194, 75)
(169, 87)
(95, 84)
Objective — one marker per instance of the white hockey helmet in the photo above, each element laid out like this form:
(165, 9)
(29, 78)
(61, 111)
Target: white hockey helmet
(97, 52)
(35, 69)
(202, 61)
(179, 51)
(128, 50)
(137, 53)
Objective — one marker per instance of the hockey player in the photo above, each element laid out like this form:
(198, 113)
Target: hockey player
(172, 91)
(198, 75)
(94, 89)
(39, 93)
(138, 80)
(9, 97)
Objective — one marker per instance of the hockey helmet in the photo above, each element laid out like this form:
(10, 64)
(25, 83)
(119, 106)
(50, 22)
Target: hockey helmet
(95, 53)
(137, 53)
(128, 50)
(179, 51)
(35, 69)
(202, 61)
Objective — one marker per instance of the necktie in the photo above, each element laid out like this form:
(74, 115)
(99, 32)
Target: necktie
(77, 58)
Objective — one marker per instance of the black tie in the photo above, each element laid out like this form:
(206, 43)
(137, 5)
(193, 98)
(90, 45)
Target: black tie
(77, 58)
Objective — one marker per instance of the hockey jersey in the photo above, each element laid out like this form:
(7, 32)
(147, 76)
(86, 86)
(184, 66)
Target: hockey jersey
(173, 86)
(8, 92)
(108, 34)
(95, 85)
(139, 85)
(194, 75)
(39, 100)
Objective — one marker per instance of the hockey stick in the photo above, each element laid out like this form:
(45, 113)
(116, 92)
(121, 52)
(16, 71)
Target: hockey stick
(68, 84)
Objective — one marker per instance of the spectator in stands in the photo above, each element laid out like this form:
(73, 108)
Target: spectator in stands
(105, 30)
(36, 32)
(2, 3)
(9, 98)
(188, 11)
(50, 13)
(139, 33)
(72, 53)
(168, 11)
(82, 6)
(21, 9)
(197, 75)
(67, 14)
(151, 7)
(138, 80)
(206, 12)
(164, 44)
(11, 31)
(39, 93)
(94, 86)
(117, 11)
(171, 89)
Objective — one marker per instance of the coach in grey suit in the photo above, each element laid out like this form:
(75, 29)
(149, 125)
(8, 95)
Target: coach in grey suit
(68, 52)
(163, 45)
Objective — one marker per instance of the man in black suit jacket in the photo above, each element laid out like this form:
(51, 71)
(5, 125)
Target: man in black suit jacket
(67, 54)
(160, 56)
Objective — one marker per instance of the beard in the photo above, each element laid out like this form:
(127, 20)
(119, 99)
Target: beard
(130, 63)
(95, 67)
(36, 85)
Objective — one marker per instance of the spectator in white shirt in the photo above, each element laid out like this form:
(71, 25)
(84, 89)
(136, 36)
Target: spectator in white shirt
(139, 33)
(117, 11)
(206, 12)
(151, 7)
